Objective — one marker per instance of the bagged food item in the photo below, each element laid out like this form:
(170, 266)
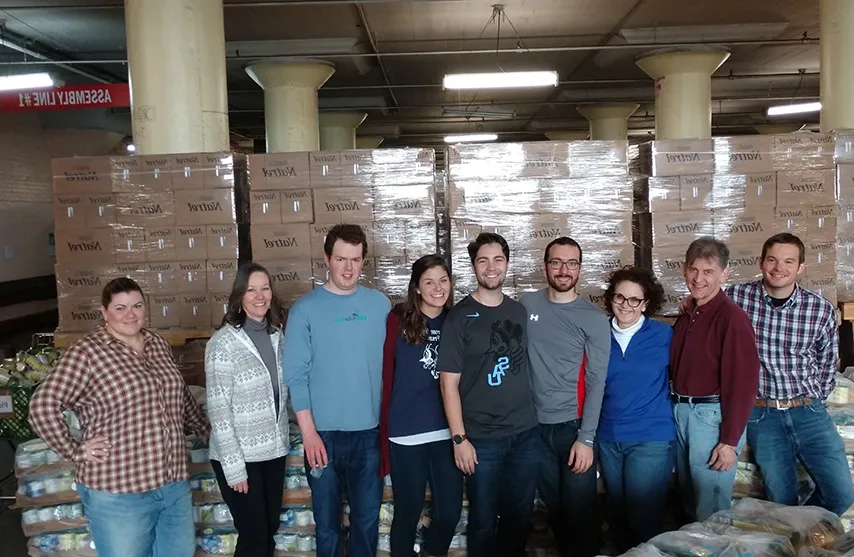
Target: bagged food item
(810, 526)
(842, 547)
(645, 550)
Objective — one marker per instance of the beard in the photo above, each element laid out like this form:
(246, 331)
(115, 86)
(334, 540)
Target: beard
(562, 286)
(491, 284)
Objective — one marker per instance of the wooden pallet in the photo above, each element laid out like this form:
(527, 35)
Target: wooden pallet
(175, 337)
(847, 309)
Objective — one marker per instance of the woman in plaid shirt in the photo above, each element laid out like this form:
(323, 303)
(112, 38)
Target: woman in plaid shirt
(133, 407)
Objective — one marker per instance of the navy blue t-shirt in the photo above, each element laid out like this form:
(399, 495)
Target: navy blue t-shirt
(416, 399)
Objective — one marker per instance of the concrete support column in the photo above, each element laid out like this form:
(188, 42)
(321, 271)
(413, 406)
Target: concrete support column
(176, 63)
(567, 136)
(608, 121)
(338, 130)
(290, 102)
(683, 90)
(369, 141)
(836, 20)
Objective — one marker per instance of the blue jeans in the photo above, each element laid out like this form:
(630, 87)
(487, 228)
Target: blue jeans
(157, 523)
(704, 491)
(503, 485)
(637, 476)
(778, 437)
(412, 468)
(570, 498)
(353, 470)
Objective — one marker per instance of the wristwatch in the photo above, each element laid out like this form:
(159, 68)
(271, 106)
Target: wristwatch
(458, 439)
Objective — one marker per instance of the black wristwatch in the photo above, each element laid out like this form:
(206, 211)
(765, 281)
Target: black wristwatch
(458, 439)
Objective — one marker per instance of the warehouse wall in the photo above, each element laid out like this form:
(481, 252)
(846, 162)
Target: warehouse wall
(26, 218)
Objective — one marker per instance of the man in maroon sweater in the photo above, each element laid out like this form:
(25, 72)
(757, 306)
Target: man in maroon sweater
(714, 373)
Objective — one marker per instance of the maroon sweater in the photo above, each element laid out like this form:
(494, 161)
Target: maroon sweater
(714, 353)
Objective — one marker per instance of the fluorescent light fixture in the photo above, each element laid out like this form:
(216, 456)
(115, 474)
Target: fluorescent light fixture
(704, 33)
(490, 114)
(799, 108)
(500, 80)
(25, 81)
(471, 138)
(131, 148)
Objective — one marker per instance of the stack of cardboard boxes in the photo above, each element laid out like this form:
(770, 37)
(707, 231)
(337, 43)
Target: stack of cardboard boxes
(741, 190)
(168, 222)
(845, 220)
(533, 193)
(296, 198)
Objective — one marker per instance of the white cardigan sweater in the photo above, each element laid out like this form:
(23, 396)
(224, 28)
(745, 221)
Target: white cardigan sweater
(241, 409)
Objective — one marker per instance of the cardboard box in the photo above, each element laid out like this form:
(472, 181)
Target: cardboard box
(678, 157)
(134, 174)
(389, 238)
(318, 234)
(278, 242)
(192, 276)
(81, 175)
(221, 275)
(664, 194)
(219, 307)
(537, 231)
(191, 243)
(161, 244)
(820, 252)
(79, 314)
(421, 238)
(805, 188)
(187, 171)
(278, 171)
(744, 261)
(745, 190)
(265, 207)
(223, 242)
(130, 245)
(845, 218)
(668, 262)
(815, 223)
(744, 154)
(195, 311)
(744, 227)
(409, 201)
(325, 169)
(76, 280)
(845, 182)
(164, 311)
(138, 272)
(602, 261)
(696, 192)
(100, 210)
(343, 205)
(205, 206)
(291, 278)
(680, 229)
(297, 206)
(162, 277)
(155, 209)
(69, 211)
(366, 167)
(85, 246)
(218, 170)
(821, 279)
(803, 150)
(601, 229)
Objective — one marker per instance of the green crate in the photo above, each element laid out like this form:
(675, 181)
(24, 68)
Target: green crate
(17, 426)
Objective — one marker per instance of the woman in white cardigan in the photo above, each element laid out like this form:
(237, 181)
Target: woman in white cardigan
(246, 402)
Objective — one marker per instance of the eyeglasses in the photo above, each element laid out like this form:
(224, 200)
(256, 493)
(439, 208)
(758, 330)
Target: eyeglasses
(556, 264)
(633, 302)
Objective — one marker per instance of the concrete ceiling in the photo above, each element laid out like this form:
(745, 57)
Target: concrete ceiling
(421, 40)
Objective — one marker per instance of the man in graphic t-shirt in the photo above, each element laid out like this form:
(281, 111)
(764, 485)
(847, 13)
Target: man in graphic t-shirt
(483, 360)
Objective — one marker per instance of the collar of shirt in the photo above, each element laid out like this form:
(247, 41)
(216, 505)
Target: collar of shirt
(793, 301)
(711, 306)
(102, 335)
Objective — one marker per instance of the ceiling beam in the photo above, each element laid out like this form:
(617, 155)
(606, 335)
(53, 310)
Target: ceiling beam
(12, 42)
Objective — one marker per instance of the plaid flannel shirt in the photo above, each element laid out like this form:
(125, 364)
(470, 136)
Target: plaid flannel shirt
(798, 342)
(139, 403)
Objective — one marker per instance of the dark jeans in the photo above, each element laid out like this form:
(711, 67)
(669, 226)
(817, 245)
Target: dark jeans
(778, 437)
(637, 476)
(571, 498)
(354, 465)
(503, 485)
(412, 468)
(256, 513)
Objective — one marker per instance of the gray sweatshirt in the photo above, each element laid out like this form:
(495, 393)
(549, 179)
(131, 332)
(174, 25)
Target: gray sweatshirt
(569, 346)
(257, 332)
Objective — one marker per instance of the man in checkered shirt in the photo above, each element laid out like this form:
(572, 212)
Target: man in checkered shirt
(798, 348)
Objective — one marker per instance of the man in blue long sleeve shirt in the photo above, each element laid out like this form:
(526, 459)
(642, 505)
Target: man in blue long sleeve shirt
(332, 359)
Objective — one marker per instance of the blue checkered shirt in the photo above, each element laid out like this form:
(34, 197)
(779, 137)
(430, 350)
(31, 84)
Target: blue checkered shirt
(798, 342)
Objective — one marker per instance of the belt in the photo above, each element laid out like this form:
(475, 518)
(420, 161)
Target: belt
(684, 399)
(784, 404)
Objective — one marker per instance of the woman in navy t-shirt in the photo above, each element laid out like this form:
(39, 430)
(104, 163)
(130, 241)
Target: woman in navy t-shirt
(415, 439)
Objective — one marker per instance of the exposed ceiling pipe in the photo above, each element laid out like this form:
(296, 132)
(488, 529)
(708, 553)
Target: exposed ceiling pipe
(268, 4)
(44, 59)
(483, 52)
(376, 51)
(475, 118)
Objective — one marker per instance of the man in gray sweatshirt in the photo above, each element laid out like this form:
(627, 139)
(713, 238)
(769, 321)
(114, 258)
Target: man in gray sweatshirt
(569, 344)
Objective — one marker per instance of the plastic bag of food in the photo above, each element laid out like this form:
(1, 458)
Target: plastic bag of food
(810, 526)
(842, 547)
(645, 550)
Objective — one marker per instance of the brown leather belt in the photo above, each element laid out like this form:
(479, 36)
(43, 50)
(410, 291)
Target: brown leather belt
(784, 404)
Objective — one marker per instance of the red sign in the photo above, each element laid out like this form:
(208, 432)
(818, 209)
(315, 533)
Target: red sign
(67, 98)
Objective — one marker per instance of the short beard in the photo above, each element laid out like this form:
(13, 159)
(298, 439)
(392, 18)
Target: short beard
(553, 283)
(483, 284)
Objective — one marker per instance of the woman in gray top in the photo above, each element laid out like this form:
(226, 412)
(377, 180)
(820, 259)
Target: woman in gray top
(247, 408)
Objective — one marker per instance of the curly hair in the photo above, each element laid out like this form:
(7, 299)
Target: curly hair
(653, 292)
(413, 327)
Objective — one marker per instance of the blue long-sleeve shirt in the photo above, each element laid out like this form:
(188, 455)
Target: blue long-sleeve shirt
(332, 357)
